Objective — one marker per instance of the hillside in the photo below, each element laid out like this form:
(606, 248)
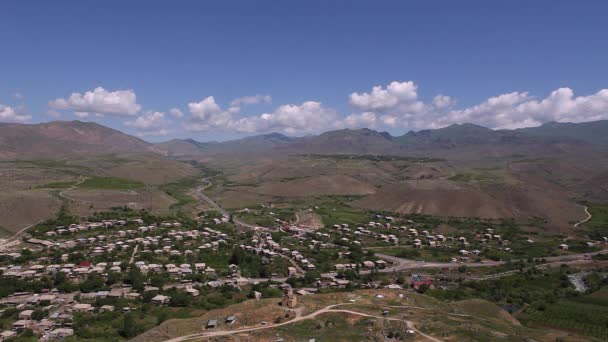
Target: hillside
(65, 139)
(350, 316)
(595, 132)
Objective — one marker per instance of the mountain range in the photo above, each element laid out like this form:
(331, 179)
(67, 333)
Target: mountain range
(76, 138)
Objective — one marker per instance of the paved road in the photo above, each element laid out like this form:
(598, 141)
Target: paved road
(199, 193)
(401, 264)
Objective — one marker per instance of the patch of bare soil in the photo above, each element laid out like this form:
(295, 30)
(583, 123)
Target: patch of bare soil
(309, 220)
(86, 202)
(21, 208)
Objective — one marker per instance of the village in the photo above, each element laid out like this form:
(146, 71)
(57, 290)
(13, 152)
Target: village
(125, 264)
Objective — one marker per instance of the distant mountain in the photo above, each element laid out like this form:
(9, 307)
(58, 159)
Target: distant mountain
(595, 132)
(258, 143)
(180, 147)
(345, 141)
(76, 138)
(462, 139)
(60, 139)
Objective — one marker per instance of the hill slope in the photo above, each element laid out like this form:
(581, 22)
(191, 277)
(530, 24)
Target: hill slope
(65, 139)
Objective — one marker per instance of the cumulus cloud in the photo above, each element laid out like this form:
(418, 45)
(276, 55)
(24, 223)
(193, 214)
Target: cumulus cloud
(100, 102)
(398, 106)
(307, 117)
(248, 100)
(176, 112)
(361, 120)
(151, 123)
(13, 114)
(520, 109)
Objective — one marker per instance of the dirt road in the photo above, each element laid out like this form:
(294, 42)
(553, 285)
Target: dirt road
(585, 220)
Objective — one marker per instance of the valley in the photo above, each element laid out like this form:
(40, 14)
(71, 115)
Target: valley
(409, 243)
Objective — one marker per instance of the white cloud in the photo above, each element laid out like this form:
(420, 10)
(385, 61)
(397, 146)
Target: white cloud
(204, 109)
(308, 117)
(176, 112)
(398, 106)
(247, 100)
(361, 120)
(13, 114)
(151, 123)
(384, 98)
(99, 101)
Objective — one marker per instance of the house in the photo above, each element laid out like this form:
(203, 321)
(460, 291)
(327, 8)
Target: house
(289, 299)
(5, 335)
(231, 319)
(82, 307)
(106, 308)
(211, 324)
(381, 264)
(418, 280)
(61, 333)
(22, 325)
(160, 299)
(193, 292)
(369, 264)
(27, 314)
(563, 247)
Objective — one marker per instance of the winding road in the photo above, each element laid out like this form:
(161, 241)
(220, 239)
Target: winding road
(585, 220)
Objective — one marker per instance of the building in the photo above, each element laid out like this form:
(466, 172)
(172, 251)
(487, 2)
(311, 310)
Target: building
(160, 299)
(289, 299)
(211, 324)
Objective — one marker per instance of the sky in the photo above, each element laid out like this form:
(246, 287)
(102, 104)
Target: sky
(217, 70)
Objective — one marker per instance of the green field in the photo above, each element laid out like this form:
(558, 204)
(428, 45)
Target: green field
(585, 318)
(597, 226)
(110, 183)
(57, 185)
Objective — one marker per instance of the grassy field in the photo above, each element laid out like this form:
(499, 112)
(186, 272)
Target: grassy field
(110, 183)
(179, 190)
(57, 185)
(586, 318)
(597, 226)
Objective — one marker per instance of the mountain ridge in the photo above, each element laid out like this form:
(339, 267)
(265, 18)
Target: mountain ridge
(73, 138)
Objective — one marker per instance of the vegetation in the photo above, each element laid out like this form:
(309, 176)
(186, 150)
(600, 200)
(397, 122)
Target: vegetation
(58, 185)
(373, 157)
(597, 227)
(110, 183)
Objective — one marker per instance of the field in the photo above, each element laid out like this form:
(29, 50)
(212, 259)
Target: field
(34, 190)
(580, 315)
(110, 183)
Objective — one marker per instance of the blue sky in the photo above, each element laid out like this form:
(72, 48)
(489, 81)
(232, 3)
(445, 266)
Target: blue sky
(313, 64)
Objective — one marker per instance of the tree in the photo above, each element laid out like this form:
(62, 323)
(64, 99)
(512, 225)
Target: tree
(39, 314)
(129, 327)
(93, 283)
